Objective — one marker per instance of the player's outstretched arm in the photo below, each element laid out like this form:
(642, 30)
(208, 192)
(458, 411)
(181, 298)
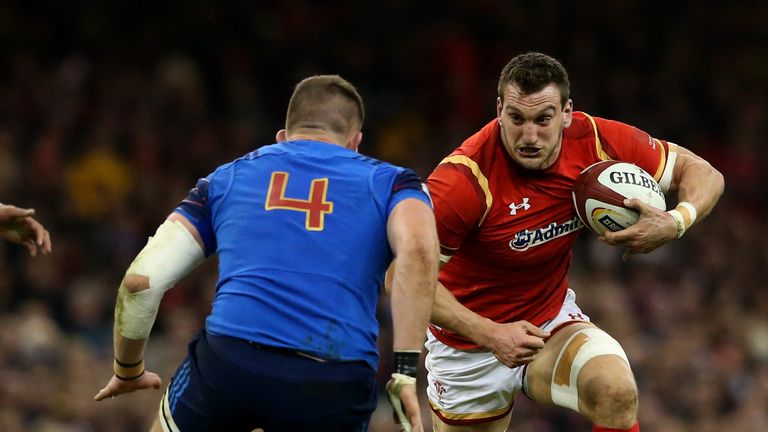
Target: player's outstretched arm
(18, 226)
(699, 186)
(171, 254)
(413, 238)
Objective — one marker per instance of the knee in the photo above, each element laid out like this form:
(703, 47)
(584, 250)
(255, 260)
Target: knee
(609, 399)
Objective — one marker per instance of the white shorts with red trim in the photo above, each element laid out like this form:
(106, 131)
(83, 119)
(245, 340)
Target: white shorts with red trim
(471, 386)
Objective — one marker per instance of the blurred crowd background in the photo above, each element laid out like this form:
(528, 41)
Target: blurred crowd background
(109, 112)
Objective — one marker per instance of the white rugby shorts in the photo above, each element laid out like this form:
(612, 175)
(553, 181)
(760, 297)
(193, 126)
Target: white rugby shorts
(467, 387)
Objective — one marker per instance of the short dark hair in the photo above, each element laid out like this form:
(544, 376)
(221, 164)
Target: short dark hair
(325, 102)
(533, 71)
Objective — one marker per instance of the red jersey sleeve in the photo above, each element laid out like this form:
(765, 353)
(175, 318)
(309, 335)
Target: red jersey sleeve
(459, 205)
(628, 143)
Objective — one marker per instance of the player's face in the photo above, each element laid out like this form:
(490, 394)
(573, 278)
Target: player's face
(532, 125)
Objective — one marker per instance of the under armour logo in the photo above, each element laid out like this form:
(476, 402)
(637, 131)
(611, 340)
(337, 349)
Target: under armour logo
(514, 206)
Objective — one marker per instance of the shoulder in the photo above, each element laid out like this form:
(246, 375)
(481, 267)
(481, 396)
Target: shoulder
(600, 135)
(399, 177)
(466, 173)
(476, 154)
(250, 156)
(370, 161)
(481, 142)
(269, 149)
(602, 127)
(582, 126)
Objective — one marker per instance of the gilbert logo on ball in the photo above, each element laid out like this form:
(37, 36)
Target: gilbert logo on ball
(601, 188)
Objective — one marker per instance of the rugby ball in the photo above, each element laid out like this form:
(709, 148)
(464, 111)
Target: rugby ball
(601, 188)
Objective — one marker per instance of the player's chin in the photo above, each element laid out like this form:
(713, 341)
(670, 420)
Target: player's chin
(529, 162)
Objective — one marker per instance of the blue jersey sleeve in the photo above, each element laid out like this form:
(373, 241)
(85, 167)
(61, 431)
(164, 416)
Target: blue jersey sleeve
(407, 184)
(197, 209)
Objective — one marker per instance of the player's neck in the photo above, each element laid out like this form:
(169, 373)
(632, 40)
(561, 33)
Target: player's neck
(322, 137)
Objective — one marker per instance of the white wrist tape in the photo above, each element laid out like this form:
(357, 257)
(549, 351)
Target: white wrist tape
(394, 387)
(684, 215)
(168, 256)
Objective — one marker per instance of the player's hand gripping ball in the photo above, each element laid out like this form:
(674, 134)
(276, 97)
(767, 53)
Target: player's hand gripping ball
(600, 191)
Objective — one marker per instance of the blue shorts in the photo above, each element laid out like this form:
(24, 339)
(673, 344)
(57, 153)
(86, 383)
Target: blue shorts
(228, 384)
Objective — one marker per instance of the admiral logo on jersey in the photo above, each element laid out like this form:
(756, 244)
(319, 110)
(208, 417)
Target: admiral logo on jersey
(525, 239)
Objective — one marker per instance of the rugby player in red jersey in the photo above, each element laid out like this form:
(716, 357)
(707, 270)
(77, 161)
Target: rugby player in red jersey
(507, 225)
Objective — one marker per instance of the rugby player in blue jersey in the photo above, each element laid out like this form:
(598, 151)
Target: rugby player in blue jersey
(304, 230)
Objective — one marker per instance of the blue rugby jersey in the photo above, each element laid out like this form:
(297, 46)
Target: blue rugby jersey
(300, 231)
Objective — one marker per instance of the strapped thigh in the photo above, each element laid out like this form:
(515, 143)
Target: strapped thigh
(581, 347)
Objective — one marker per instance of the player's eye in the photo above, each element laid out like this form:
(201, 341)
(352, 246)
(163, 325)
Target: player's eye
(544, 120)
(516, 119)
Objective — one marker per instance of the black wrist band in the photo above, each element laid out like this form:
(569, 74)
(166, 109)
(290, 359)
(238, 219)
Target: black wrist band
(130, 379)
(407, 363)
(126, 365)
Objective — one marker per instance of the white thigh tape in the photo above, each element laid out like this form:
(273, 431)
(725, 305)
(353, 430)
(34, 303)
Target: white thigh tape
(581, 347)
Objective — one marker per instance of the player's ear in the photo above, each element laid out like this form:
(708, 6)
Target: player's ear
(567, 113)
(281, 136)
(354, 141)
(498, 109)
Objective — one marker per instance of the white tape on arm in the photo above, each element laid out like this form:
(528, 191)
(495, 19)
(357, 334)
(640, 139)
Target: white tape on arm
(168, 256)
(665, 182)
(685, 216)
(394, 387)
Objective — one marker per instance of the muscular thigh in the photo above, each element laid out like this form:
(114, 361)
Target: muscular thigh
(557, 365)
(540, 371)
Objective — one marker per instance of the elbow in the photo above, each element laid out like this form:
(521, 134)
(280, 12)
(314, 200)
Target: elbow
(720, 182)
(419, 256)
(134, 283)
(426, 251)
(717, 182)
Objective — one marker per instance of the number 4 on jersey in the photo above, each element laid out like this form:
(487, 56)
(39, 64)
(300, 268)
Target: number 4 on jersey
(315, 207)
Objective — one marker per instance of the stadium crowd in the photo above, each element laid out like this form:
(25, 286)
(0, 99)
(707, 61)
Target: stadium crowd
(109, 113)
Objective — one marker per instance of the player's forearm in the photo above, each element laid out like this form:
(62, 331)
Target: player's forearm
(413, 293)
(700, 184)
(448, 313)
(128, 351)
(129, 338)
(128, 363)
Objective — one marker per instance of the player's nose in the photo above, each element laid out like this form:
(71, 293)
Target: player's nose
(530, 133)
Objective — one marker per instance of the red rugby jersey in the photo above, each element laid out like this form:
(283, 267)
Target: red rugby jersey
(509, 230)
